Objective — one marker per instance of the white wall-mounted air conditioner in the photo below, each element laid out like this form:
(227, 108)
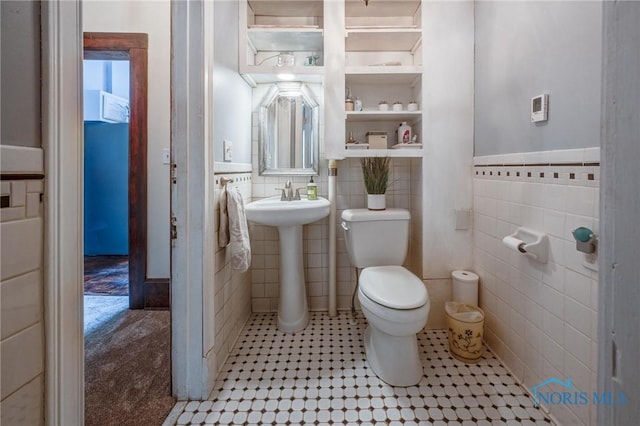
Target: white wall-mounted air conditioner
(103, 106)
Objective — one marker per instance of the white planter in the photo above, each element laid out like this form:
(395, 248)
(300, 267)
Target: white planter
(376, 201)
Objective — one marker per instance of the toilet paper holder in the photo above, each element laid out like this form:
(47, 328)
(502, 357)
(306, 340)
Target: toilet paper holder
(532, 243)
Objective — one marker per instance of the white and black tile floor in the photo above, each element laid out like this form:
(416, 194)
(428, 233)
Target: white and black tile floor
(320, 376)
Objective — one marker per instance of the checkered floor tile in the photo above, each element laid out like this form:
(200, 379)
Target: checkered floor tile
(320, 376)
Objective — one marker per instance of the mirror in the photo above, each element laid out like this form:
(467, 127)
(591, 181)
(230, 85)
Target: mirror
(288, 140)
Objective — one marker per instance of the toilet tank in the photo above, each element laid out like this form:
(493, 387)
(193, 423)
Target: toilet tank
(376, 238)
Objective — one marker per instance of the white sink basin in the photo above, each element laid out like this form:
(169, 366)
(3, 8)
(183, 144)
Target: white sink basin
(289, 216)
(273, 212)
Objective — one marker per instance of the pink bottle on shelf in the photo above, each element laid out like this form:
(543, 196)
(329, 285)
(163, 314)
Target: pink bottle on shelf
(404, 133)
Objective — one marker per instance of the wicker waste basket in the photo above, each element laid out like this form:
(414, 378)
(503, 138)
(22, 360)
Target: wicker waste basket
(465, 324)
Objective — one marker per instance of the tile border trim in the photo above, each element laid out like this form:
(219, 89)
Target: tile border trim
(17, 160)
(563, 157)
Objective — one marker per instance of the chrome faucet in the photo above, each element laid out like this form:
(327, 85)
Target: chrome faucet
(288, 195)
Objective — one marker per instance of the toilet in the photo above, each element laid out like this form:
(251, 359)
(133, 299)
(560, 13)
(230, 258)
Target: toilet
(394, 301)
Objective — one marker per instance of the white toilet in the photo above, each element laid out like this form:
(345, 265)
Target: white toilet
(394, 301)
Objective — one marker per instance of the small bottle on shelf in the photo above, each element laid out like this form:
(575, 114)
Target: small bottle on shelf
(358, 104)
(404, 133)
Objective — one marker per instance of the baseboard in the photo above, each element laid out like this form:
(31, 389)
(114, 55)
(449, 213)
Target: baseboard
(157, 294)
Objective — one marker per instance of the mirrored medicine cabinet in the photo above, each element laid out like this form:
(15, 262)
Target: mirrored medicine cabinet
(288, 139)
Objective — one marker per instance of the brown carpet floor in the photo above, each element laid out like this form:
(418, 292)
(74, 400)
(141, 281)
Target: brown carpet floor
(127, 370)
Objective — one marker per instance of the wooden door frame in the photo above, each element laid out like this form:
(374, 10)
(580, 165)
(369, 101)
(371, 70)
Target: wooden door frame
(143, 292)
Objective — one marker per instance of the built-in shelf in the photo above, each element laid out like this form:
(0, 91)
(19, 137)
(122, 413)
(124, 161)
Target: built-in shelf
(376, 75)
(381, 9)
(382, 39)
(258, 74)
(393, 153)
(286, 39)
(383, 115)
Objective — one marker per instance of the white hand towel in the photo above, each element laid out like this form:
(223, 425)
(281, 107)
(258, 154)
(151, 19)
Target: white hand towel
(238, 231)
(223, 220)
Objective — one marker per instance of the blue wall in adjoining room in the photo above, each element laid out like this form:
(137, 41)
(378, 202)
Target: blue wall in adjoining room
(106, 188)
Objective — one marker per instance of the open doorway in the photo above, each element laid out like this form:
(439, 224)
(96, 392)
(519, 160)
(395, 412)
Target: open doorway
(144, 293)
(106, 192)
(127, 330)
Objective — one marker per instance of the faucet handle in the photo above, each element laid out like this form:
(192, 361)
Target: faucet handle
(283, 196)
(297, 196)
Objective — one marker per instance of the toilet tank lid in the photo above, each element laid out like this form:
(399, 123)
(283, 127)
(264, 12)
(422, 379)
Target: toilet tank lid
(366, 215)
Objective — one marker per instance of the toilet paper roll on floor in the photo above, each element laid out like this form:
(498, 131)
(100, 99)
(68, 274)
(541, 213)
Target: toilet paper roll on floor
(514, 244)
(465, 287)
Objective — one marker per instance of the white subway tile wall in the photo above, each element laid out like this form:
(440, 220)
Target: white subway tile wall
(232, 294)
(540, 318)
(21, 289)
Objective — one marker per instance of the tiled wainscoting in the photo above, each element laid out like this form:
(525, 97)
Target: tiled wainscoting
(232, 293)
(21, 227)
(541, 319)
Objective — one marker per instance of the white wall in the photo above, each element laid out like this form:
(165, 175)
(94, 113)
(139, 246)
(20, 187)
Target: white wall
(20, 62)
(526, 48)
(620, 201)
(541, 319)
(447, 142)
(153, 18)
(232, 102)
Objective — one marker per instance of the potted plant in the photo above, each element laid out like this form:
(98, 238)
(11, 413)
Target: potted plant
(375, 171)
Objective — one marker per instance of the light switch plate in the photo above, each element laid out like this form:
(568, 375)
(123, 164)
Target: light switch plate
(227, 147)
(166, 156)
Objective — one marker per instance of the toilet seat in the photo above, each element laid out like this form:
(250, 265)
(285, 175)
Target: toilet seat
(393, 287)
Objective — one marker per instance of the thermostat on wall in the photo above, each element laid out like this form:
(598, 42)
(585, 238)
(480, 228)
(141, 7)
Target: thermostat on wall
(539, 108)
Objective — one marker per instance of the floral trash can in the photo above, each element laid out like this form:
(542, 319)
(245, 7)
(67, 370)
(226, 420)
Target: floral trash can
(466, 325)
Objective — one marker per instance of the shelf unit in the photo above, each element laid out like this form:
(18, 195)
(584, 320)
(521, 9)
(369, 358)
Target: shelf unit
(383, 39)
(285, 39)
(270, 27)
(408, 116)
(392, 153)
(383, 61)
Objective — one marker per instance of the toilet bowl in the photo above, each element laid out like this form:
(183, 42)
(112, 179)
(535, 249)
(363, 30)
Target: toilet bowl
(390, 338)
(394, 301)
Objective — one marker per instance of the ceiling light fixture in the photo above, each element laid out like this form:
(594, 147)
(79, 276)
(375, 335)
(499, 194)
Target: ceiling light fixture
(286, 76)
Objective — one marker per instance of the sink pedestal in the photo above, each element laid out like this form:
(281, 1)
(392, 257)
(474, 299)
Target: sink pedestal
(293, 313)
(288, 217)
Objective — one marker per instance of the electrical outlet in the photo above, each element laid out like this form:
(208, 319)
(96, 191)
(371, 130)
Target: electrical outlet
(166, 157)
(227, 147)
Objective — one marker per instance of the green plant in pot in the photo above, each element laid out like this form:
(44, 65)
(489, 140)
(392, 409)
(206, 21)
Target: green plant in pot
(375, 171)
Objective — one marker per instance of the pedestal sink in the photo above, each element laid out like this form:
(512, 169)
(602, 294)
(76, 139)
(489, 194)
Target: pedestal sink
(289, 216)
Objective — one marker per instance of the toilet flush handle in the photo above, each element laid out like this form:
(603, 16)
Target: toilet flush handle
(344, 226)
